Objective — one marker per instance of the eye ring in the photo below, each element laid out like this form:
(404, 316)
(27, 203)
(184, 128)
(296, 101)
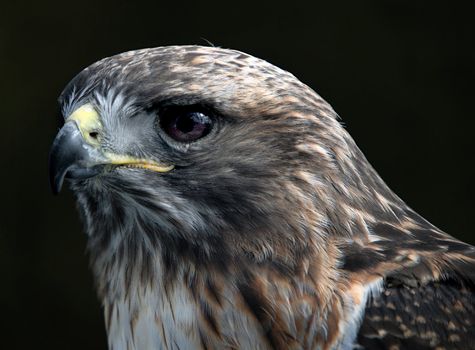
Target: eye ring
(185, 124)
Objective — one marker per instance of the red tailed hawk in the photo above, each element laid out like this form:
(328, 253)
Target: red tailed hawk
(227, 208)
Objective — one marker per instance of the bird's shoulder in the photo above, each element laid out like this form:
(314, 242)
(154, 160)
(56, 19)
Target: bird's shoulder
(432, 315)
(427, 296)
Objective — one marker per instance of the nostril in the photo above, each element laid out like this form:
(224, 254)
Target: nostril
(94, 134)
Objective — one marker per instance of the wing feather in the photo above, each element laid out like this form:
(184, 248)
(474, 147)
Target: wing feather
(435, 315)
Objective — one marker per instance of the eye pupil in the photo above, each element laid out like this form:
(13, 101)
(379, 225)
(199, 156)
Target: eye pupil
(185, 124)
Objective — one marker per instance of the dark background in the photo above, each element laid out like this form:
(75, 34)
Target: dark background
(400, 73)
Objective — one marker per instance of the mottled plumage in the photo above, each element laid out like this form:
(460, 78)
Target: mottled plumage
(271, 231)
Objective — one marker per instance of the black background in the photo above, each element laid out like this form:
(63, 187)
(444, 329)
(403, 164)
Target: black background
(400, 74)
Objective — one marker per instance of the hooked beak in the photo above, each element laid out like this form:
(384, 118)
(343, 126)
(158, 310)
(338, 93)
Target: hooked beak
(76, 151)
(72, 157)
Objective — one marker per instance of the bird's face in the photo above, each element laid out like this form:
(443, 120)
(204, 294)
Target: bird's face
(196, 148)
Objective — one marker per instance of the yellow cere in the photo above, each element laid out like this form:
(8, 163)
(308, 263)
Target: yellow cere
(88, 121)
(131, 162)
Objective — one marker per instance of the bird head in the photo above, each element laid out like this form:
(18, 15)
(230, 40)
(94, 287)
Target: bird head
(218, 189)
(207, 154)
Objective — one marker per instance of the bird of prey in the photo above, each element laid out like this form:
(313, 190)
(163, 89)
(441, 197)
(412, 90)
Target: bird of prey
(227, 208)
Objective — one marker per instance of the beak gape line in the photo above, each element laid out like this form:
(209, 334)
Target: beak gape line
(76, 151)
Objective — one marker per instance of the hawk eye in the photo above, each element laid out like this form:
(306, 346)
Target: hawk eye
(185, 125)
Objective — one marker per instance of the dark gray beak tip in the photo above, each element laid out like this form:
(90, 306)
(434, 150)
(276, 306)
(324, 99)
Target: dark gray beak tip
(55, 179)
(56, 185)
(67, 151)
(58, 161)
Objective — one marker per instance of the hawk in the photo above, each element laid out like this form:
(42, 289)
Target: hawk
(227, 208)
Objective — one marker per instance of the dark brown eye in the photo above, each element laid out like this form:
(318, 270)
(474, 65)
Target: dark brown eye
(185, 125)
